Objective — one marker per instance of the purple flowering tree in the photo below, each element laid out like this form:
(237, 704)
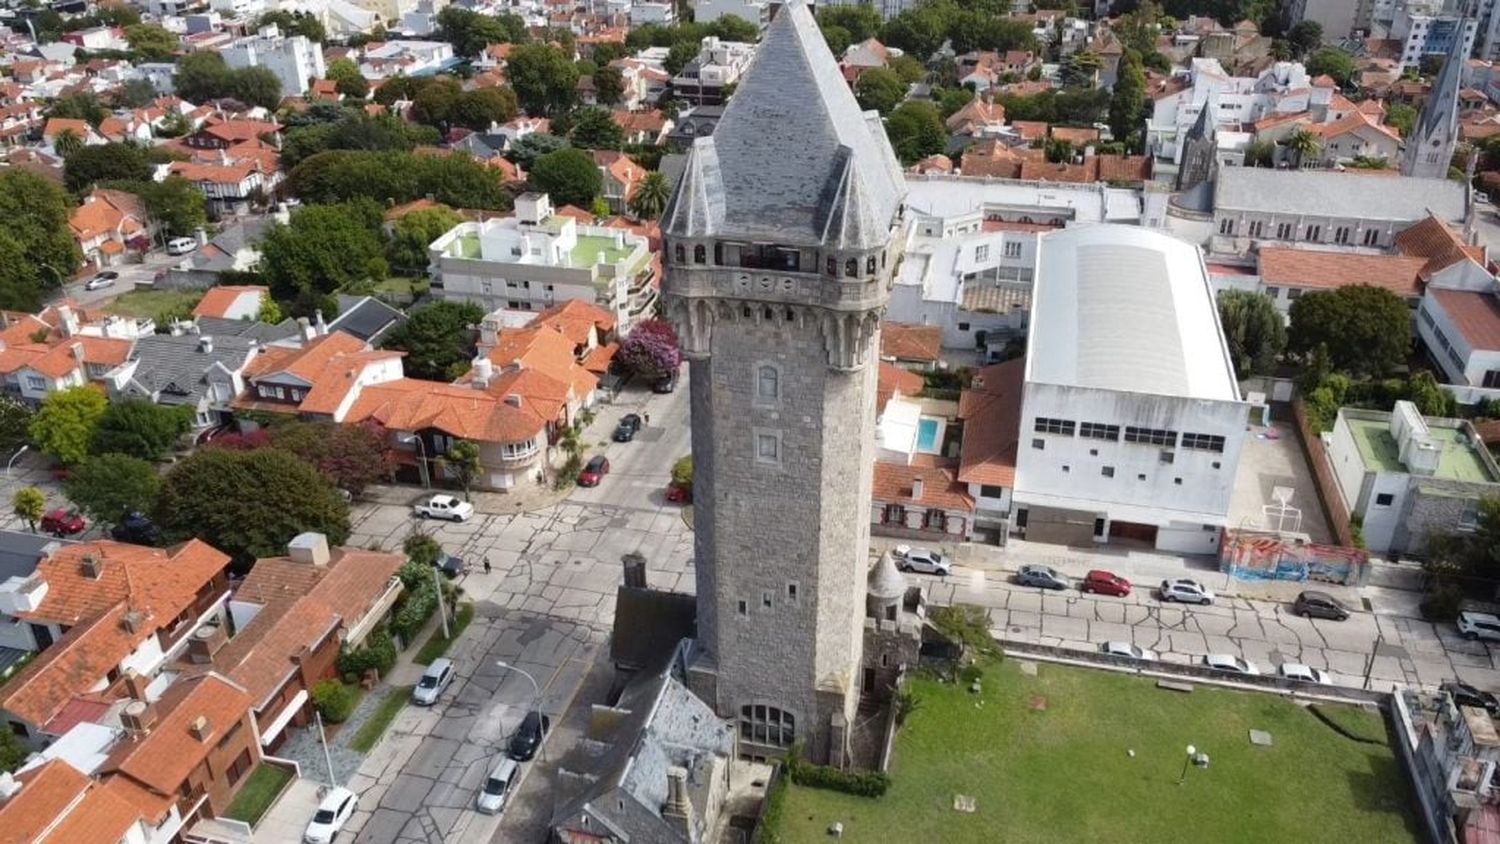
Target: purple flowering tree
(650, 349)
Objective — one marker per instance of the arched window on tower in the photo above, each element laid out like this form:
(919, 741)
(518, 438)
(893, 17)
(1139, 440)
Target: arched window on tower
(851, 267)
(833, 265)
(767, 382)
(870, 265)
(700, 255)
(680, 254)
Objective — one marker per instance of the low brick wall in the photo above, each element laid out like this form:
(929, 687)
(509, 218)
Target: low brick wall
(1328, 492)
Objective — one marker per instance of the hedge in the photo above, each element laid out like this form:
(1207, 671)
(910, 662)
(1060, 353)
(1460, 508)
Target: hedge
(419, 605)
(334, 700)
(859, 783)
(378, 652)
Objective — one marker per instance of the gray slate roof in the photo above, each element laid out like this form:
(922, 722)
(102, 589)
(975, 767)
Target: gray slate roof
(365, 317)
(648, 625)
(1439, 117)
(229, 242)
(21, 551)
(174, 367)
(249, 329)
(794, 160)
(1329, 193)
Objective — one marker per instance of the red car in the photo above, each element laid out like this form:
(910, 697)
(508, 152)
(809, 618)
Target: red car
(594, 472)
(679, 494)
(1104, 583)
(62, 523)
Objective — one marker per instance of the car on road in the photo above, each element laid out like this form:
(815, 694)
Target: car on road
(1042, 577)
(594, 472)
(921, 560)
(452, 566)
(1478, 625)
(136, 528)
(62, 523)
(437, 677)
(1312, 604)
(679, 494)
(444, 507)
(1305, 673)
(181, 245)
(1104, 583)
(497, 786)
(101, 280)
(664, 384)
(523, 745)
(333, 812)
(1126, 649)
(1231, 664)
(1466, 695)
(630, 425)
(1184, 590)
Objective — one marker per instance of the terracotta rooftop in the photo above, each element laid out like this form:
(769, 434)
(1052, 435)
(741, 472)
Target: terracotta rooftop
(599, 359)
(903, 341)
(894, 484)
(1437, 242)
(891, 380)
(161, 759)
(1475, 315)
(46, 793)
(1327, 269)
(460, 411)
(544, 347)
(991, 412)
(106, 813)
(218, 301)
(575, 318)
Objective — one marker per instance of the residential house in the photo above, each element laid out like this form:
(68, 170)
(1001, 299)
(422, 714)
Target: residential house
(321, 378)
(648, 128)
(1287, 273)
(546, 349)
(232, 302)
(233, 249)
(914, 347)
(30, 371)
(916, 492)
(218, 133)
(620, 175)
(228, 188)
(990, 412)
(108, 225)
(718, 66)
(80, 129)
(384, 59)
(20, 552)
(201, 372)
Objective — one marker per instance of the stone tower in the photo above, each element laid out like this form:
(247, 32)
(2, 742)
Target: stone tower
(1199, 148)
(780, 246)
(1429, 150)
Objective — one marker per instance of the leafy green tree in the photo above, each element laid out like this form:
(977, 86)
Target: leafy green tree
(837, 38)
(174, 202)
(916, 131)
(1424, 391)
(105, 162)
(1302, 146)
(975, 30)
(422, 551)
(463, 456)
(353, 130)
(270, 311)
(1473, 555)
(543, 77)
(860, 21)
(1366, 330)
(918, 32)
(434, 104)
(1081, 69)
(152, 43)
(13, 752)
(879, 89)
(322, 249)
(568, 176)
(107, 486)
(391, 178)
(1400, 117)
(609, 85)
(29, 504)
(1333, 62)
(347, 79)
(37, 250)
(15, 420)
(256, 86)
(528, 149)
(470, 32)
(436, 337)
(678, 56)
(65, 423)
(1127, 102)
(1254, 329)
(248, 504)
(414, 232)
(201, 76)
(595, 128)
(67, 143)
(134, 93)
(79, 105)
(651, 196)
(482, 107)
(1260, 154)
(682, 472)
(141, 428)
(295, 23)
(1304, 37)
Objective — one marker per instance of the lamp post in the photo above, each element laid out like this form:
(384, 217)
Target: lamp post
(536, 696)
(1186, 761)
(14, 457)
(421, 456)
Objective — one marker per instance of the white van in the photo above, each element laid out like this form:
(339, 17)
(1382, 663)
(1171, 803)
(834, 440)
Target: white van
(181, 245)
(497, 787)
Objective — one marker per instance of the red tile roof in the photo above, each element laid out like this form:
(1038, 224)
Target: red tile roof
(575, 318)
(991, 412)
(46, 793)
(1327, 269)
(903, 341)
(894, 484)
(460, 411)
(891, 380)
(162, 759)
(217, 301)
(1475, 315)
(1437, 242)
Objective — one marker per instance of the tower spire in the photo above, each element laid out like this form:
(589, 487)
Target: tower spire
(1429, 149)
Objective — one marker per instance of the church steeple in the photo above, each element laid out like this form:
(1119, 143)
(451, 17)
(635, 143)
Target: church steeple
(1429, 149)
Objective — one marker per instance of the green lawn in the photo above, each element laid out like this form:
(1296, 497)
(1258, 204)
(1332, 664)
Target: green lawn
(155, 304)
(1064, 773)
(437, 645)
(258, 793)
(374, 727)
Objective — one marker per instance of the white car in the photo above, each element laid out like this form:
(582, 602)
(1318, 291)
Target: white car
(921, 560)
(1478, 625)
(1186, 591)
(1128, 650)
(1230, 663)
(445, 507)
(181, 245)
(1305, 673)
(101, 281)
(497, 786)
(335, 810)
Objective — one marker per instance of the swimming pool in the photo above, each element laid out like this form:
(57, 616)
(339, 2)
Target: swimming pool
(927, 434)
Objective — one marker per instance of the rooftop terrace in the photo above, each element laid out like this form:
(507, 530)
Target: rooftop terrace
(1460, 460)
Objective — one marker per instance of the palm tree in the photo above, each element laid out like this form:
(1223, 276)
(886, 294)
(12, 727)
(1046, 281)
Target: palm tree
(1303, 145)
(651, 196)
(67, 142)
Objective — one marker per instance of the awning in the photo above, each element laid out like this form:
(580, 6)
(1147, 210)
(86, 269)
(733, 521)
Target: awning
(283, 718)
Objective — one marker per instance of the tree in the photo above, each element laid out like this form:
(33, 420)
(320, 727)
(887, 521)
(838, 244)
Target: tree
(529, 148)
(1400, 117)
(1260, 154)
(37, 250)
(470, 32)
(678, 56)
(79, 105)
(1254, 329)
(543, 77)
(65, 423)
(595, 128)
(1424, 391)
(434, 104)
(1127, 102)
(135, 93)
(651, 349)
(13, 751)
(735, 28)
(1081, 69)
(152, 43)
(15, 419)
(248, 504)
(201, 76)
(66, 143)
(918, 32)
(256, 86)
(1333, 62)
(322, 249)
(270, 311)
(29, 504)
(1474, 554)
(609, 85)
(837, 38)
(860, 21)
(174, 202)
(1302, 145)
(463, 456)
(347, 79)
(414, 232)
(1305, 37)
(1366, 330)
(351, 457)
(651, 196)
(389, 178)
(295, 23)
(682, 472)
(90, 165)
(568, 176)
(436, 337)
(108, 486)
(141, 428)
(916, 131)
(879, 89)
(483, 107)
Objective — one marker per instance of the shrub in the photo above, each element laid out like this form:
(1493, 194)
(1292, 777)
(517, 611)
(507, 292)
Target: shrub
(859, 783)
(966, 624)
(1441, 603)
(378, 652)
(334, 700)
(422, 550)
(415, 610)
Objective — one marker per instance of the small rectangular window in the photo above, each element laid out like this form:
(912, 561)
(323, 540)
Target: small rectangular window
(982, 252)
(963, 326)
(744, 607)
(791, 591)
(1097, 431)
(1107, 471)
(1150, 436)
(1012, 249)
(1038, 444)
(1167, 457)
(1203, 442)
(1384, 499)
(765, 600)
(1054, 426)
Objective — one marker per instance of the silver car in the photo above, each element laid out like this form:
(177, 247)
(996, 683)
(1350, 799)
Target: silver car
(921, 560)
(437, 677)
(497, 786)
(1128, 650)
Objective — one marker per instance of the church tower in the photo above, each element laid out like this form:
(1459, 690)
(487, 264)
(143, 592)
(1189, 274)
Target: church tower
(780, 245)
(1429, 149)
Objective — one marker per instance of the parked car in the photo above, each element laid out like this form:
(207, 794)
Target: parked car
(664, 384)
(1186, 591)
(528, 737)
(181, 245)
(630, 425)
(679, 494)
(921, 560)
(1478, 625)
(451, 566)
(1230, 663)
(101, 280)
(445, 507)
(594, 472)
(437, 677)
(1464, 694)
(333, 812)
(1041, 576)
(136, 528)
(1104, 583)
(1128, 650)
(497, 786)
(1319, 605)
(62, 522)
(1305, 673)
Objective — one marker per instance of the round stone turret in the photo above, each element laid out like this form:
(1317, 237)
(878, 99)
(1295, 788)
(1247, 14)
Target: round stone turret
(887, 587)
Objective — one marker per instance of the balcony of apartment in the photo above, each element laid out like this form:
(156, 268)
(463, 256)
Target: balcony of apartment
(516, 455)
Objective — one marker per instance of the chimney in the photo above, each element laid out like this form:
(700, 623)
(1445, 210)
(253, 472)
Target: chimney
(635, 570)
(318, 322)
(200, 728)
(131, 620)
(202, 235)
(135, 685)
(513, 399)
(484, 370)
(205, 643)
(205, 344)
(138, 716)
(678, 810)
(92, 567)
(9, 786)
(306, 329)
(67, 321)
(916, 489)
(77, 350)
(310, 548)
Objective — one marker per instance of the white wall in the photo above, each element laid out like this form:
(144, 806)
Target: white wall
(379, 372)
(1379, 522)
(1348, 465)
(144, 659)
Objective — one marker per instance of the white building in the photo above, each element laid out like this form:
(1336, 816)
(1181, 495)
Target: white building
(752, 11)
(1339, 18)
(405, 58)
(718, 64)
(661, 14)
(887, 8)
(295, 60)
(1284, 88)
(536, 259)
(1131, 419)
(1429, 29)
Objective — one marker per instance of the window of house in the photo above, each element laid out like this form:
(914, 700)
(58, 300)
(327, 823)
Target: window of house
(1283, 231)
(991, 491)
(1045, 425)
(36, 382)
(1314, 233)
(240, 766)
(1107, 471)
(1150, 436)
(1257, 228)
(767, 725)
(1293, 293)
(1098, 431)
(1203, 442)
(963, 326)
(1468, 520)
(832, 267)
(1226, 226)
(870, 265)
(982, 252)
(1384, 499)
(768, 448)
(1372, 237)
(1177, 481)
(1167, 457)
(1012, 249)
(719, 254)
(1341, 234)
(1491, 378)
(1038, 444)
(1141, 476)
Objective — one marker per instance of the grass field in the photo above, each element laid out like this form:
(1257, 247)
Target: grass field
(155, 303)
(258, 793)
(1046, 759)
(369, 733)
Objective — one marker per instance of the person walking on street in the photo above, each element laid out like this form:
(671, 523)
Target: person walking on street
(647, 417)
(486, 565)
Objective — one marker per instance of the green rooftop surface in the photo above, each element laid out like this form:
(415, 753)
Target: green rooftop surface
(591, 248)
(1460, 462)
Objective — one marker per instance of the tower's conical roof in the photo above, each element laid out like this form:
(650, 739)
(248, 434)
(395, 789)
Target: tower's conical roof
(886, 581)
